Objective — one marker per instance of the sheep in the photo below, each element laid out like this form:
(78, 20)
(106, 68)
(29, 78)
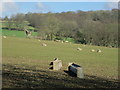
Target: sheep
(66, 41)
(110, 46)
(92, 50)
(57, 40)
(99, 50)
(61, 41)
(44, 44)
(79, 49)
(4, 37)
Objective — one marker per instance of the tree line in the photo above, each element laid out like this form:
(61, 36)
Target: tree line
(90, 27)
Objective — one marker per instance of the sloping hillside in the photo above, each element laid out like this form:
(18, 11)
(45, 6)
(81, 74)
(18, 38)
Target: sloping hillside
(26, 64)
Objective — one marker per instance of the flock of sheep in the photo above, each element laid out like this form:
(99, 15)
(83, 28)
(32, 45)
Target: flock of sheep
(62, 41)
(92, 50)
(79, 49)
(44, 44)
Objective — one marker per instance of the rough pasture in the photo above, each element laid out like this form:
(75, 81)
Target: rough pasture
(26, 61)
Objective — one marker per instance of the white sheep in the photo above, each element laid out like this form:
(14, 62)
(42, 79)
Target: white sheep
(57, 40)
(44, 44)
(110, 46)
(92, 50)
(99, 50)
(79, 49)
(4, 37)
(66, 41)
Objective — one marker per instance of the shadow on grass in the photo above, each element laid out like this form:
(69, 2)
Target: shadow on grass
(28, 77)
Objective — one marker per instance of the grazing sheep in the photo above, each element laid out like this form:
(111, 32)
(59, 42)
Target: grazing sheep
(57, 40)
(44, 44)
(66, 41)
(4, 37)
(92, 50)
(61, 41)
(99, 50)
(110, 46)
(79, 49)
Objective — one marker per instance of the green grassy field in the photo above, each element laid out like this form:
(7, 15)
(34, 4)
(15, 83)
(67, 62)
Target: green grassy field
(27, 61)
(16, 33)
